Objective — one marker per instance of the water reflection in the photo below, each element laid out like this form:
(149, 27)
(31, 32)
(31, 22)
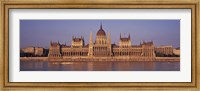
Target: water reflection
(98, 66)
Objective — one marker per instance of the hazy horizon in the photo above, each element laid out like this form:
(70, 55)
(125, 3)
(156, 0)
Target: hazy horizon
(39, 33)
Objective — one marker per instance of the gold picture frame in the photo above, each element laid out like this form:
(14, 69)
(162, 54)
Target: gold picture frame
(155, 86)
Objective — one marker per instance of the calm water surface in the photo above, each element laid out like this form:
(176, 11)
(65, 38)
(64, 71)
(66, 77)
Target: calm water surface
(98, 66)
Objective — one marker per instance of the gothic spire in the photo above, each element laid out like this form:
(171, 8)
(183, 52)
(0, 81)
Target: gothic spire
(109, 40)
(91, 41)
(144, 42)
(51, 42)
(101, 26)
(120, 36)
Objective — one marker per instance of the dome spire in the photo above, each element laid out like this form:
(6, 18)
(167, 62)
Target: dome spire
(101, 31)
(101, 26)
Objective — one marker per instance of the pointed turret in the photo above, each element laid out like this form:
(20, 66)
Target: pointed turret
(101, 26)
(109, 44)
(72, 37)
(90, 53)
(51, 43)
(83, 41)
(144, 42)
(91, 38)
(109, 40)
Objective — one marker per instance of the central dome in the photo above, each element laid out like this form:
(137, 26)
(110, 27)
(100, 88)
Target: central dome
(101, 32)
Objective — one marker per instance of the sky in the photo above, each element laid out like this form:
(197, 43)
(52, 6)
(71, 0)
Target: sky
(39, 33)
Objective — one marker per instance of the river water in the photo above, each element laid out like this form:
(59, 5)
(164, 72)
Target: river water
(99, 66)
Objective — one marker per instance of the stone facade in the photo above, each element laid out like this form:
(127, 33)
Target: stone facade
(54, 50)
(167, 50)
(32, 51)
(39, 51)
(102, 47)
(176, 51)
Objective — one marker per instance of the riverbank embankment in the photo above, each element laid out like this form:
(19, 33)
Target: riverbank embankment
(100, 59)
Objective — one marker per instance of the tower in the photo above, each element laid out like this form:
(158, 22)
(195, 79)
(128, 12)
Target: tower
(125, 41)
(129, 37)
(54, 50)
(109, 40)
(77, 42)
(109, 45)
(90, 53)
(100, 37)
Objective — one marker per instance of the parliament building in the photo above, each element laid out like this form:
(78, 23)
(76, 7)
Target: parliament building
(102, 47)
